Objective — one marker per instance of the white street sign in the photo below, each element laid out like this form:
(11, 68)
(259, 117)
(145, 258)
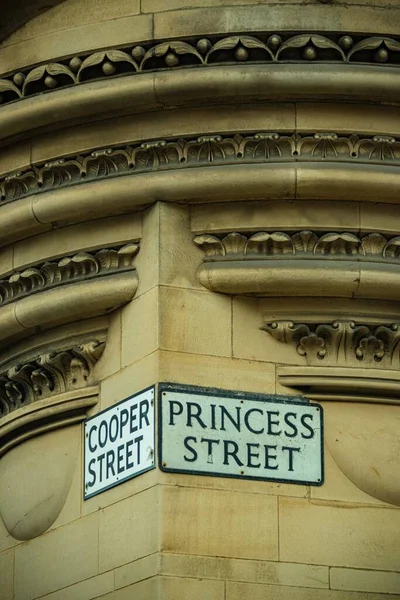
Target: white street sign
(119, 443)
(208, 432)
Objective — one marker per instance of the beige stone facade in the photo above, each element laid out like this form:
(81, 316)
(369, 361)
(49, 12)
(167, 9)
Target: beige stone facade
(202, 192)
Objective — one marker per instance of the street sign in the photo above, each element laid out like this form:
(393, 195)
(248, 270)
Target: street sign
(119, 443)
(228, 434)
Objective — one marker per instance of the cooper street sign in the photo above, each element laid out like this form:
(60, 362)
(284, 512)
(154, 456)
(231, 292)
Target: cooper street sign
(211, 432)
(119, 443)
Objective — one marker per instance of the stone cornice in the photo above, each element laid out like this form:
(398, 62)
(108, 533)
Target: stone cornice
(245, 166)
(176, 73)
(181, 153)
(69, 269)
(37, 298)
(269, 47)
(303, 263)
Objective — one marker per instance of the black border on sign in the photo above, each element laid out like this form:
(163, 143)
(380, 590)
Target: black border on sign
(112, 485)
(204, 391)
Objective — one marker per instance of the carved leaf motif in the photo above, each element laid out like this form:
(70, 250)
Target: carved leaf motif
(298, 41)
(42, 383)
(211, 245)
(269, 243)
(370, 347)
(373, 244)
(119, 56)
(59, 69)
(80, 265)
(92, 61)
(392, 44)
(287, 331)
(368, 44)
(234, 243)
(312, 345)
(8, 86)
(323, 42)
(35, 75)
(178, 47)
(337, 243)
(305, 241)
(392, 248)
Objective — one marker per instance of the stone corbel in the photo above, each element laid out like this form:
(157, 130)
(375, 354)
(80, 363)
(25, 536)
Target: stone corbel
(305, 263)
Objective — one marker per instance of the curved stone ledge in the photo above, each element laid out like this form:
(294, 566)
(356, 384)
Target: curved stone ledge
(194, 86)
(65, 305)
(265, 181)
(339, 384)
(204, 150)
(302, 278)
(46, 415)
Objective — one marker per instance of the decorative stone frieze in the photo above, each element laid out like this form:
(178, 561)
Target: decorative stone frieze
(269, 47)
(341, 343)
(301, 263)
(47, 375)
(216, 149)
(69, 269)
(302, 243)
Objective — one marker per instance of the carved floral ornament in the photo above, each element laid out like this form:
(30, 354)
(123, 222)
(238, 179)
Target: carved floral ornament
(280, 47)
(236, 246)
(47, 375)
(341, 343)
(181, 153)
(69, 269)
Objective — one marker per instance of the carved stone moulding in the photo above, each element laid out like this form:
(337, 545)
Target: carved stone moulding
(304, 263)
(265, 48)
(197, 87)
(339, 181)
(67, 290)
(53, 390)
(180, 153)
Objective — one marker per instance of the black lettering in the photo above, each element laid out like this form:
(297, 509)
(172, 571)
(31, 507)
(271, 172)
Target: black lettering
(123, 420)
(289, 423)
(110, 463)
(186, 441)
(232, 453)
(226, 413)
(209, 443)
(92, 472)
(213, 407)
(246, 420)
(113, 437)
(271, 423)
(191, 415)
(133, 418)
(92, 448)
(103, 430)
(269, 457)
(100, 461)
(173, 413)
(306, 426)
(251, 455)
(129, 445)
(291, 452)
(137, 442)
(144, 410)
(120, 458)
